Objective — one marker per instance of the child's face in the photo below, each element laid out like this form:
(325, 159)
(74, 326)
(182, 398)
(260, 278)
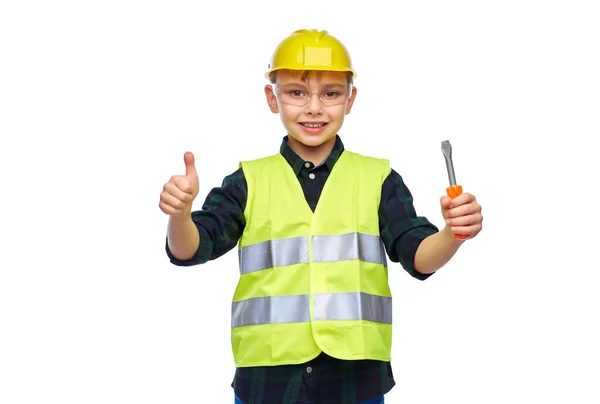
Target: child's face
(314, 122)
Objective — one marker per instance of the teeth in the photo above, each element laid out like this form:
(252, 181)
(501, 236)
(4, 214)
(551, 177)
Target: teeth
(313, 125)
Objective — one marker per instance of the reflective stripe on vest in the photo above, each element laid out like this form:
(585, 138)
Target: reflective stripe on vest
(296, 309)
(290, 251)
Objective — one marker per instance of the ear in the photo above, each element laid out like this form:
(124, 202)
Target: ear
(350, 101)
(271, 99)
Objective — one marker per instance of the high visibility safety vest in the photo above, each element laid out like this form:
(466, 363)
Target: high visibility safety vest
(312, 282)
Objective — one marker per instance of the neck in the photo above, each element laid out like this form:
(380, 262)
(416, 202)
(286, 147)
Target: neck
(315, 154)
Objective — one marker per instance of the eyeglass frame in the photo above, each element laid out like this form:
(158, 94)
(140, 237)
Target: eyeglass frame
(276, 91)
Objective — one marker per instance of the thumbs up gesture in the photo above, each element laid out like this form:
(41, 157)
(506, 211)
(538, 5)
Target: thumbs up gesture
(181, 190)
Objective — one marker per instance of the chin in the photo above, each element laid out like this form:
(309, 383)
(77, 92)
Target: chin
(313, 140)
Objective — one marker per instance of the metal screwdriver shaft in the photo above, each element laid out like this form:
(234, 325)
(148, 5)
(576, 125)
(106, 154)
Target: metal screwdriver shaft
(447, 150)
(453, 190)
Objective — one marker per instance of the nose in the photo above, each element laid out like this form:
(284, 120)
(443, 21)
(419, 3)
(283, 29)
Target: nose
(314, 105)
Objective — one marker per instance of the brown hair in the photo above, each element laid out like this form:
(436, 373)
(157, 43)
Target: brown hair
(306, 74)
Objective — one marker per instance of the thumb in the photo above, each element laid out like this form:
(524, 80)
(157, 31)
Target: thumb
(190, 167)
(446, 202)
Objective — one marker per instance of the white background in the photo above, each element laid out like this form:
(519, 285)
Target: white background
(100, 100)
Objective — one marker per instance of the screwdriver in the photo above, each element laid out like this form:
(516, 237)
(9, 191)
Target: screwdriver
(453, 190)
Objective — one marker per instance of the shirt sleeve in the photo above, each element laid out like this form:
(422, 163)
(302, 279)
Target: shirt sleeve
(401, 229)
(220, 222)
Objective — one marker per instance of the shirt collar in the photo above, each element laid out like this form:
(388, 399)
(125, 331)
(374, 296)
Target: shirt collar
(296, 162)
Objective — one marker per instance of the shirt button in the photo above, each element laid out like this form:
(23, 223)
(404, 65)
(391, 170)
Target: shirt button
(311, 176)
(308, 369)
(307, 164)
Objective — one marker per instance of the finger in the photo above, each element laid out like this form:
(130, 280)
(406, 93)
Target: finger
(469, 231)
(172, 201)
(169, 210)
(183, 183)
(463, 210)
(462, 199)
(180, 188)
(465, 220)
(190, 165)
(446, 202)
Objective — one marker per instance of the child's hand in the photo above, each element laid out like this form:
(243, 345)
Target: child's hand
(462, 214)
(181, 190)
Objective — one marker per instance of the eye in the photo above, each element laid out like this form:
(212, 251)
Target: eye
(296, 93)
(331, 94)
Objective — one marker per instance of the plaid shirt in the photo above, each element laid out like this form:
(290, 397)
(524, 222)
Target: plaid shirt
(325, 379)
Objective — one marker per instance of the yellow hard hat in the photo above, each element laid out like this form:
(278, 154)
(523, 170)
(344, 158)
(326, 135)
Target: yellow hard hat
(311, 50)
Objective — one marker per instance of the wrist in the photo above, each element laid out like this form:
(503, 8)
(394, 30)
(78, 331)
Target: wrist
(181, 219)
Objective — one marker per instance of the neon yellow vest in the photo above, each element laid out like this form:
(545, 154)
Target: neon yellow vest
(312, 282)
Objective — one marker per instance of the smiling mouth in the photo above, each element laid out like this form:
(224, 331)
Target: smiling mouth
(313, 125)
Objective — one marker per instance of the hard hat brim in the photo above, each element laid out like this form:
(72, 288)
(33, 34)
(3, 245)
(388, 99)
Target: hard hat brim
(308, 68)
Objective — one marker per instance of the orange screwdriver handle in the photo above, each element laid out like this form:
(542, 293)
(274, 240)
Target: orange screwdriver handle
(453, 192)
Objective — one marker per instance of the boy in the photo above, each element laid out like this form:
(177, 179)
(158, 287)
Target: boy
(311, 315)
